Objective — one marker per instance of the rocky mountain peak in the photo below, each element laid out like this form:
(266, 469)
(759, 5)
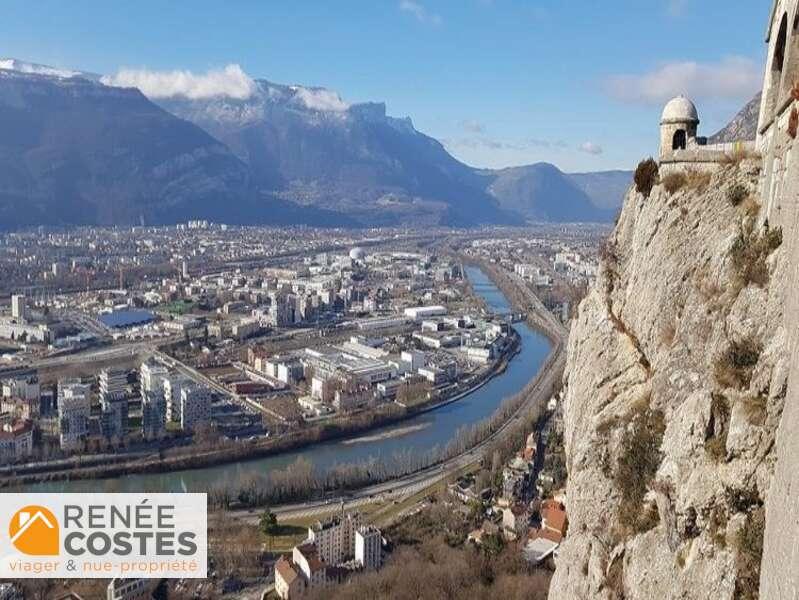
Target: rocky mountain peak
(742, 127)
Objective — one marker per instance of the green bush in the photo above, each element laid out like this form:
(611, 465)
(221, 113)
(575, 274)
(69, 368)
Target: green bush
(646, 176)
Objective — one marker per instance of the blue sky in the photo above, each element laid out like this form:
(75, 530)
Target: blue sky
(501, 82)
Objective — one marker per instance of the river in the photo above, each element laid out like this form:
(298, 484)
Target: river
(420, 434)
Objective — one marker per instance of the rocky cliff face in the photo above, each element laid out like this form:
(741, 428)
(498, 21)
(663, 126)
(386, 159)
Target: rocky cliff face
(676, 380)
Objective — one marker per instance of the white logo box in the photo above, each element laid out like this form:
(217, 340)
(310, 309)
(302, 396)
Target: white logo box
(101, 536)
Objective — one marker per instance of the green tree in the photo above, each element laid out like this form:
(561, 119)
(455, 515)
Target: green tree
(268, 522)
(493, 544)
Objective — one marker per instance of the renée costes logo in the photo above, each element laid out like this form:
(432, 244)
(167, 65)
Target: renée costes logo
(103, 535)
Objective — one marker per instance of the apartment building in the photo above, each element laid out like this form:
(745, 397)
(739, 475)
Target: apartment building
(16, 441)
(195, 406)
(335, 537)
(369, 547)
(74, 410)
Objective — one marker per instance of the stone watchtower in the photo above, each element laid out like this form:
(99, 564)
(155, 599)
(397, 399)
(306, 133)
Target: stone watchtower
(678, 126)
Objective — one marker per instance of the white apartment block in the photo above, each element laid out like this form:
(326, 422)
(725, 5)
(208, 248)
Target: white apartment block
(152, 375)
(195, 406)
(335, 538)
(113, 383)
(114, 402)
(312, 566)
(369, 547)
(74, 409)
(153, 410)
(19, 309)
(26, 388)
(173, 385)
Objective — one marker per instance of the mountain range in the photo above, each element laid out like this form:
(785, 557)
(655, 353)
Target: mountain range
(743, 125)
(75, 150)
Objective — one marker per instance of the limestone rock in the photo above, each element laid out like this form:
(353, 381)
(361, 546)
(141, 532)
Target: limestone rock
(672, 329)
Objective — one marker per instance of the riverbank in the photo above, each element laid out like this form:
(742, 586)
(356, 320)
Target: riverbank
(446, 429)
(188, 458)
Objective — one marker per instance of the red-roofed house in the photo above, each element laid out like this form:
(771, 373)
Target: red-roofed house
(288, 582)
(16, 441)
(554, 518)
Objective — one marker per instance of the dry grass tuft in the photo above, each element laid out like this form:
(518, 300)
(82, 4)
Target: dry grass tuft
(717, 428)
(749, 546)
(737, 193)
(737, 156)
(638, 462)
(734, 367)
(673, 182)
(755, 409)
(750, 207)
(749, 254)
(696, 179)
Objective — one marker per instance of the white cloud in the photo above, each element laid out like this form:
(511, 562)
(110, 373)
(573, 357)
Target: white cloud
(591, 148)
(231, 82)
(320, 99)
(420, 12)
(732, 78)
(490, 143)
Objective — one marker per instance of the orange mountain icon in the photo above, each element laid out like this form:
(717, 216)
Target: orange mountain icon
(34, 531)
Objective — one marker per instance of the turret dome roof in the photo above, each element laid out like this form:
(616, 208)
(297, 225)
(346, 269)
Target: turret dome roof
(680, 110)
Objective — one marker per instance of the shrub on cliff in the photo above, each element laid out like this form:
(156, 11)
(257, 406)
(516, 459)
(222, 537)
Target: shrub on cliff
(717, 428)
(733, 368)
(646, 176)
(638, 461)
(749, 253)
(737, 194)
(749, 546)
(673, 182)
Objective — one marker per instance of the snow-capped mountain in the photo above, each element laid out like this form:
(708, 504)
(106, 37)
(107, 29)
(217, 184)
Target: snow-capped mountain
(75, 151)
(20, 66)
(165, 146)
(313, 146)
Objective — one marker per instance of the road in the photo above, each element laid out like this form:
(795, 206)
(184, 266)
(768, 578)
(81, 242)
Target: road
(409, 485)
(93, 355)
(539, 394)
